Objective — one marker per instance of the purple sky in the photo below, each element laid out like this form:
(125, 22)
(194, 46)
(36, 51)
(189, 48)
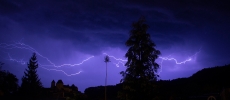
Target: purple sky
(70, 31)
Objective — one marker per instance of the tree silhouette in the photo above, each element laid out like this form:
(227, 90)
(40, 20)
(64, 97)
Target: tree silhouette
(106, 61)
(31, 85)
(1, 64)
(8, 82)
(141, 66)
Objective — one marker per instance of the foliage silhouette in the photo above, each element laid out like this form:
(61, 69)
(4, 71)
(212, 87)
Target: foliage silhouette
(97, 93)
(141, 66)
(8, 82)
(31, 86)
(206, 82)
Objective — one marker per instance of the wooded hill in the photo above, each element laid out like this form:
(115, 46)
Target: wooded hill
(202, 83)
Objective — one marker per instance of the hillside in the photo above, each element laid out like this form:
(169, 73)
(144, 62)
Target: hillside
(206, 81)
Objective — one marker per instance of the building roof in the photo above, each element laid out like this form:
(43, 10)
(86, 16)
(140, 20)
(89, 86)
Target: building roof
(53, 81)
(59, 81)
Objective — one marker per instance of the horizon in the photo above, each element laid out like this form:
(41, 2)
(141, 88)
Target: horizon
(71, 38)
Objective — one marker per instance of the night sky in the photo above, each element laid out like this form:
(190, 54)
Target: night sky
(82, 32)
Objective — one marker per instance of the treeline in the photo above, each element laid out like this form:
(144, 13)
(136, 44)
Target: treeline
(31, 87)
(98, 93)
(206, 82)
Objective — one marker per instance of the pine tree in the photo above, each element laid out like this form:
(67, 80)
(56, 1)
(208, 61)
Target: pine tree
(141, 66)
(31, 85)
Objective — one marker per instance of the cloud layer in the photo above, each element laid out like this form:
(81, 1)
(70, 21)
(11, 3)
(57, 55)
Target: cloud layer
(69, 31)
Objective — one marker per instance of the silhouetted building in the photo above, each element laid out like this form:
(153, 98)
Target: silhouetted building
(60, 91)
(53, 84)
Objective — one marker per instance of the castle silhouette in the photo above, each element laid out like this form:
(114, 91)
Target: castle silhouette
(60, 91)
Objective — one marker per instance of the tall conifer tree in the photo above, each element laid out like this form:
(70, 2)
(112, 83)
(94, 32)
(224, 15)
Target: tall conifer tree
(141, 68)
(31, 85)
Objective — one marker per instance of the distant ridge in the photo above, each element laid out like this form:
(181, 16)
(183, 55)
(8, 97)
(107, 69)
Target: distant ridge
(202, 83)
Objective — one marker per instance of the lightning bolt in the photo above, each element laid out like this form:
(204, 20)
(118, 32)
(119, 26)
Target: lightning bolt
(168, 58)
(72, 65)
(63, 71)
(23, 63)
(193, 57)
(19, 45)
(120, 61)
(15, 60)
(24, 46)
(183, 62)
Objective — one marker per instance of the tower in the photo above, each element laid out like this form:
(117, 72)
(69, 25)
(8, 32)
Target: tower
(59, 84)
(53, 84)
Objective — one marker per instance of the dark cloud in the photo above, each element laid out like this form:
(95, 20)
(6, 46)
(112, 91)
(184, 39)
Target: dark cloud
(72, 20)
(80, 21)
(8, 7)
